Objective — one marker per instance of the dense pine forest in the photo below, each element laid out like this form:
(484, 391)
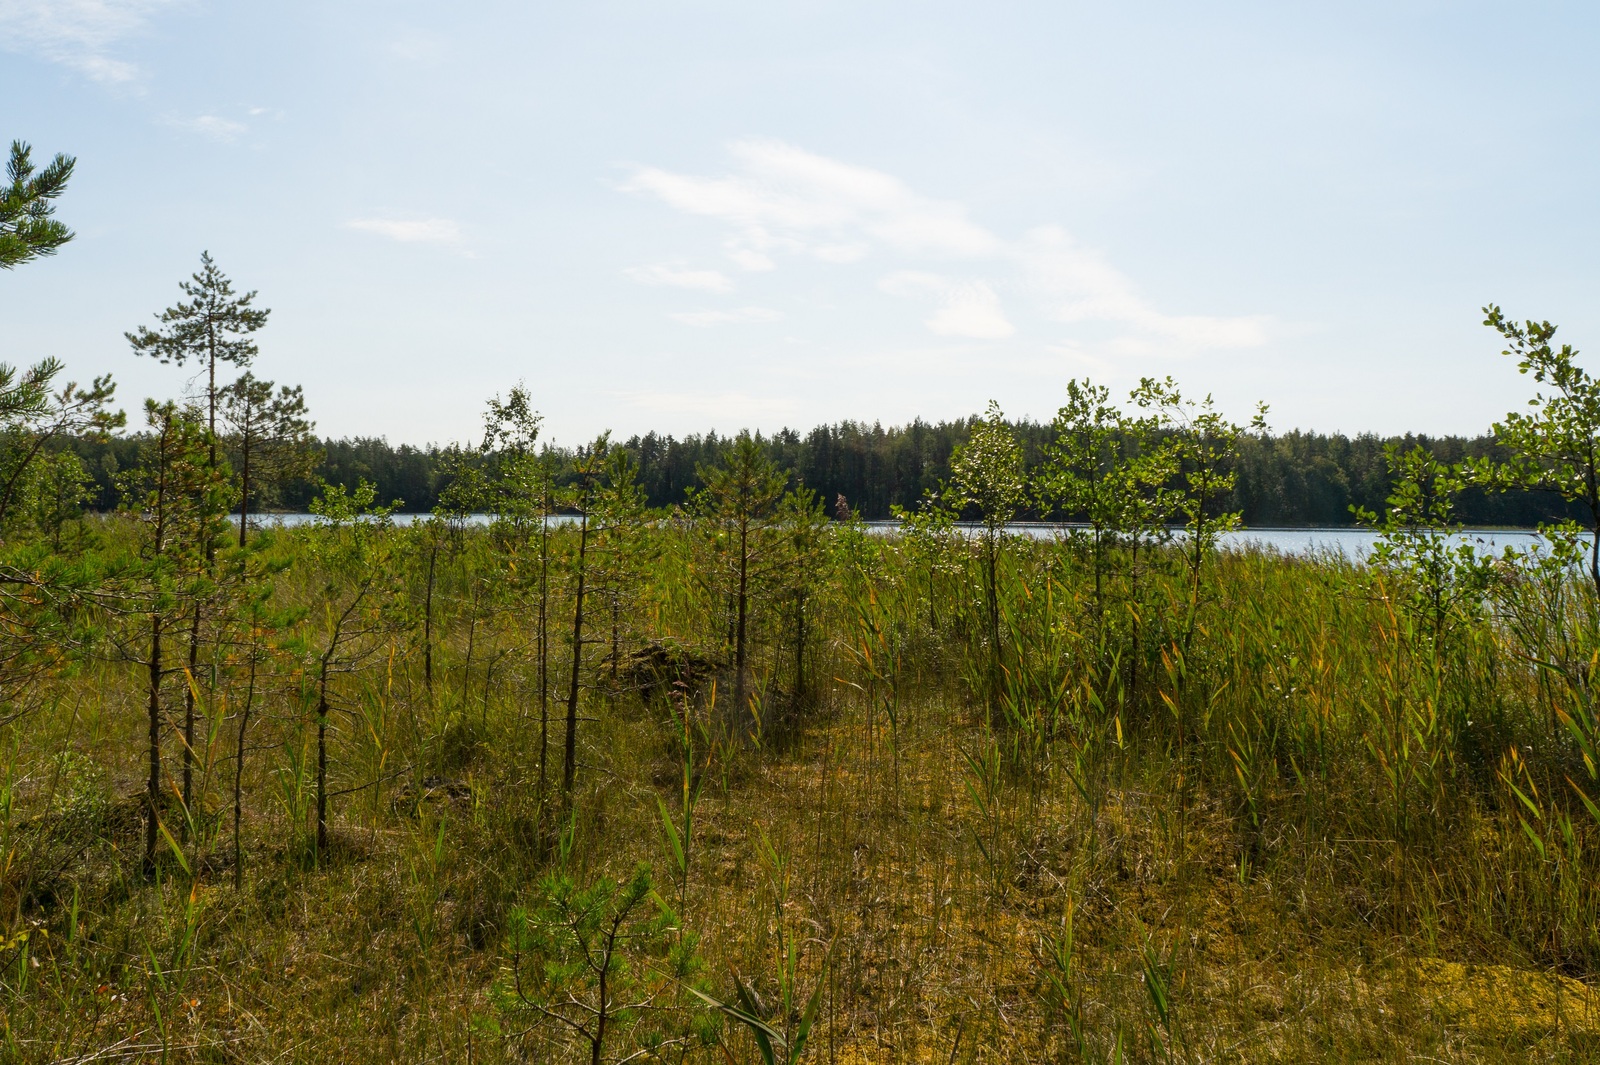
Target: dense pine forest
(1287, 479)
(676, 759)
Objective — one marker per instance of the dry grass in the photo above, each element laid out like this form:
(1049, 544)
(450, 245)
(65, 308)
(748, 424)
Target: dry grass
(1297, 935)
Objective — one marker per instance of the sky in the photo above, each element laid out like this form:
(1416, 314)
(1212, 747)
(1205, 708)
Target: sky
(693, 216)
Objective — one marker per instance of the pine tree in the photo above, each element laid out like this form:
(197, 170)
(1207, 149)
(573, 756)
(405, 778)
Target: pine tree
(270, 436)
(175, 492)
(27, 231)
(606, 497)
(212, 328)
(353, 546)
(33, 416)
(740, 510)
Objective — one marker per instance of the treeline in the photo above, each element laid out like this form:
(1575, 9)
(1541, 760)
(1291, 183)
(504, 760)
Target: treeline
(1296, 478)
(1291, 479)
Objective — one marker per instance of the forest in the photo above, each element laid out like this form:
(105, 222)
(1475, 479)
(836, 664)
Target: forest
(676, 759)
(1289, 479)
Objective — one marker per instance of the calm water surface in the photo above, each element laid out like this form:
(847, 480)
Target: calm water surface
(1351, 543)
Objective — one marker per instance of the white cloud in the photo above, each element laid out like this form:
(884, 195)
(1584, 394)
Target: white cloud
(77, 33)
(1074, 284)
(410, 231)
(786, 199)
(972, 310)
(780, 200)
(968, 308)
(741, 316)
(784, 196)
(100, 68)
(214, 126)
(749, 259)
(679, 275)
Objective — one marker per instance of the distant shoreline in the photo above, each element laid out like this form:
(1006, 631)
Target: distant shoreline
(411, 516)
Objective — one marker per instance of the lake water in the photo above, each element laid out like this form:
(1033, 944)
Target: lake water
(1349, 542)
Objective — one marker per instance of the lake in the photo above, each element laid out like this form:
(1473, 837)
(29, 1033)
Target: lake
(1349, 542)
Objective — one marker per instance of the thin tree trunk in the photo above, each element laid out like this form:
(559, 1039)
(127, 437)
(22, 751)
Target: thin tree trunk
(322, 765)
(427, 624)
(1138, 610)
(238, 775)
(799, 648)
(544, 652)
(569, 768)
(244, 492)
(598, 1046)
(192, 681)
(153, 785)
(616, 642)
(488, 681)
(1197, 559)
(211, 389)
(323, 710)
(1594, 556)
(994, 627)
(1099, 567)
(472, 635)
(740, 695)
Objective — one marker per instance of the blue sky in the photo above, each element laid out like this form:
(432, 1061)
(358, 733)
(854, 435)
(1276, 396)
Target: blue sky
(697, 215)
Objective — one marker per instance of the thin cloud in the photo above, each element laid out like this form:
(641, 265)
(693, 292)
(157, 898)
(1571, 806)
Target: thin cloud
(79, 34)
(749, 258)
(741, 316)
(678, 275)
(410, 231)
(780, 201)
(784, 197)
(214, 126)
(1074, 284)
(971, 310)
(967, 308)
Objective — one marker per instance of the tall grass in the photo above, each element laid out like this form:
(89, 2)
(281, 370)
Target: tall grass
(1275, 815)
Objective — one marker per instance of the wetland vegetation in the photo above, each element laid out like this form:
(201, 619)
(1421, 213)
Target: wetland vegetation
(739, 780)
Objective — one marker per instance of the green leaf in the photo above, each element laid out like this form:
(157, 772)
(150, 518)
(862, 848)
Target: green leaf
(176, 850)
(1537, 813)
(764, 1033)
(1538, 843)
(671, 832)
(1594, 811)
(809, 1016)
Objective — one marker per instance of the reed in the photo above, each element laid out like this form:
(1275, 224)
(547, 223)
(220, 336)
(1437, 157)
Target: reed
(1050, 800)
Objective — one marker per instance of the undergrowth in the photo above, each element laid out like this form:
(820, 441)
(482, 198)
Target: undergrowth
(1275, 814)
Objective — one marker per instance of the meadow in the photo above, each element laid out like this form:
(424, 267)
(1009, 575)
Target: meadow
(555, 775)
(976, 798)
